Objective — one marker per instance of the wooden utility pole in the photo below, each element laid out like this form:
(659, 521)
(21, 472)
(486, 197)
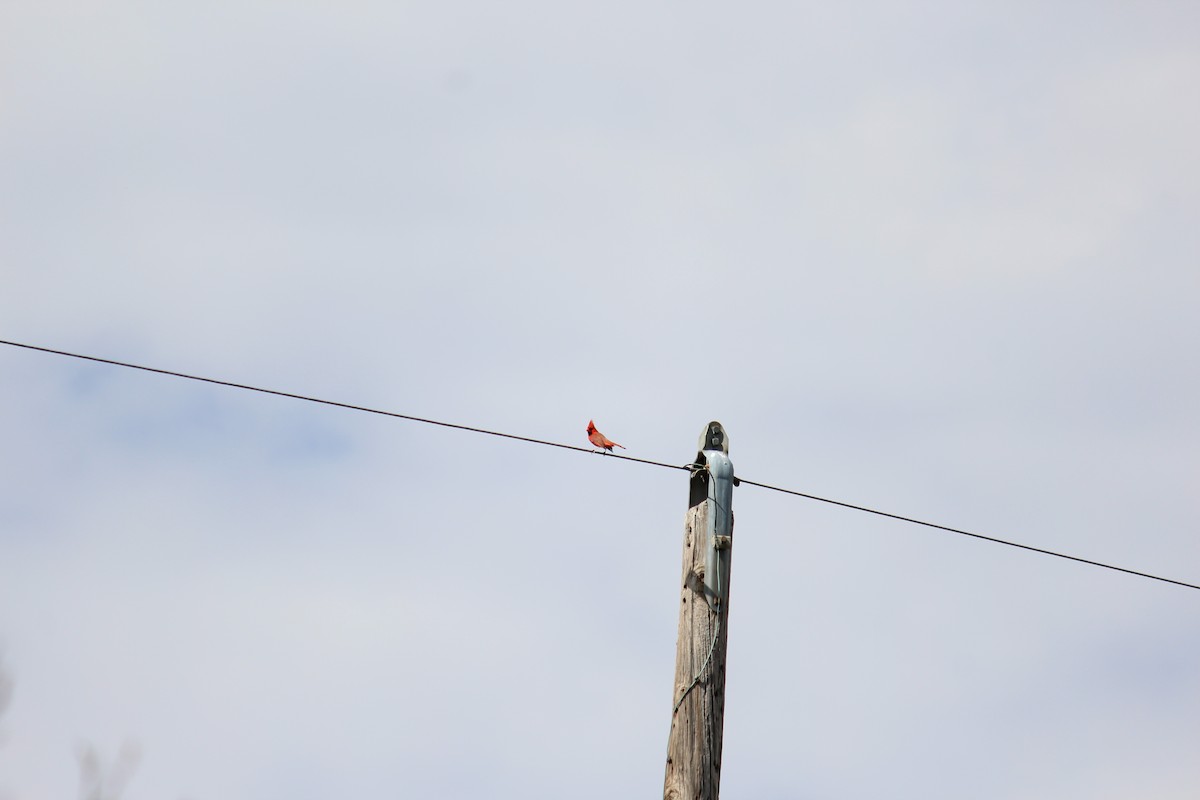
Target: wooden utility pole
(698, 715)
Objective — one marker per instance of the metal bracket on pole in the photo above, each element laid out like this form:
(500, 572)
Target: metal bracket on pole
(714, 458)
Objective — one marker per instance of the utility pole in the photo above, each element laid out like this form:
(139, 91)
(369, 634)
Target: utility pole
(698, 715)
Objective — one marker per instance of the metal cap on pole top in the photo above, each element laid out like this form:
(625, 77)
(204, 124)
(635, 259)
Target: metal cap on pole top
(713, 458)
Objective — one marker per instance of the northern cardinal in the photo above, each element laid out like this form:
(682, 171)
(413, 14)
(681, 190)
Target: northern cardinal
(599, 439)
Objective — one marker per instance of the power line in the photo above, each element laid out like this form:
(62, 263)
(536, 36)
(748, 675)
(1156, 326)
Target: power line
(350, 406)
(968, 533)
(687, 467)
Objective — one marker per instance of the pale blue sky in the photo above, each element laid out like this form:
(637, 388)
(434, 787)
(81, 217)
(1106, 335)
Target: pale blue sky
(938, 258)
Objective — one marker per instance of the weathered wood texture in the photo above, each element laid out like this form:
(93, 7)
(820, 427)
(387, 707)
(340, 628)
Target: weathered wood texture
(694, 747)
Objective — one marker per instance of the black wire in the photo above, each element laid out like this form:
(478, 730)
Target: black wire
(587, 450)
(968, 533)
(339, 405)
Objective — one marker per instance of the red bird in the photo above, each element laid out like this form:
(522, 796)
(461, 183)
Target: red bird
(599, 439)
